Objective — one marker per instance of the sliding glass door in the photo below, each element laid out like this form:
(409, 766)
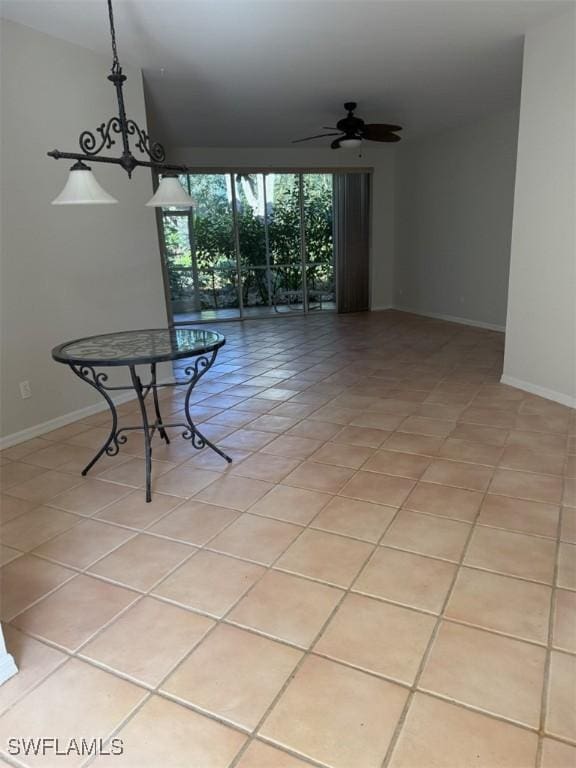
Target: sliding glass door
(254, 244)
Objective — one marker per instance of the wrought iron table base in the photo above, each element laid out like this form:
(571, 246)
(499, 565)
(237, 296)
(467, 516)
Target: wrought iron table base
(118, 437)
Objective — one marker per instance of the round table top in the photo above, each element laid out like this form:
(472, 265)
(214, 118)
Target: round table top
(154, 345)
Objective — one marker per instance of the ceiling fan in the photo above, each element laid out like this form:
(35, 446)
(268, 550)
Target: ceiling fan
(352, 130)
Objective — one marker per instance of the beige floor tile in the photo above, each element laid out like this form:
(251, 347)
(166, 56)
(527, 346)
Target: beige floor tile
(490, 417)
(34, 660)
(478, 434)
(520, 515)
(63, 618)
(53, 456)
(326, 700)
(540, 423)
(377, 637)
(405, 578)
(134, 511)
(15, 473)
(219, 675)
(194, 522)
(427, 535)
(92, 697)
(11, 507)
(185, 481)
(396, 463)
(372, 438)
(474, 477)
(527, 485)
(465, 450)
(256, 538)
(27, 579)
(208, 459)
(350, 517)
(292, 446)
(263, 466)
(568, 527)
(278, 424)
(17, 452)
(569, 495)
(44, 487)
(533, 460)
(295, 505)
(556, 754)
(319, 477)
(316, 430)
(501, 603)
(260, 755)
(514, 554)
(7, 554)
(326, 557)
(247, 439)
(561, 699)
(411, 443)
(142, 561)
(148, 640)
(90, 496)
(567, 566)
(342, 455)
(163, 731)
(286, 607)
(381, 489)
(33, 528)
(537, 441)
(564, 630)
(384, 421)
(83, 544)
(209, 582)
(234, 492)
(465, 662)
(437, 734)
(445, 501)
(431, 427)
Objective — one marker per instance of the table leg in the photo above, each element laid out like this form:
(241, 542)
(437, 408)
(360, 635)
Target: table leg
(201, 365)
(137, 384)
(111, 445)
(161, 430)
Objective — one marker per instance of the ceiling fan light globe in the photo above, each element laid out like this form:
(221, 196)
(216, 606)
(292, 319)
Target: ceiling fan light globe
(350, 143)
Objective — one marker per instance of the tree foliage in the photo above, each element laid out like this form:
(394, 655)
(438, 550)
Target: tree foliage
(211, 237)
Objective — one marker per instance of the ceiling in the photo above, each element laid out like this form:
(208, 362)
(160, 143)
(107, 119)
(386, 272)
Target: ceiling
(263, 72)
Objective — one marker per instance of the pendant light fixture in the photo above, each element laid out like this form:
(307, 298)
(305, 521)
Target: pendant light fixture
(82, 188)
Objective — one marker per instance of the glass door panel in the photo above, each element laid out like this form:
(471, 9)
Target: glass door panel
(213, 245)
(285, 240)
(253, 243)
(319, 253)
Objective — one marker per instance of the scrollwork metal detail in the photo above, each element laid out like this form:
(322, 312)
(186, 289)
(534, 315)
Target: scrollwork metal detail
(154, 150)
(89, 143)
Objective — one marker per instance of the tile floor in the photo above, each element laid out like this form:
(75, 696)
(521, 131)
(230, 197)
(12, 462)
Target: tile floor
(385, 576)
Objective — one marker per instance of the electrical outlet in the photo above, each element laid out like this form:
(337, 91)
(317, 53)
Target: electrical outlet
(25, 391)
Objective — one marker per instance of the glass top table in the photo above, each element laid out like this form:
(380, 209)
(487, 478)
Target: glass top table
(144, 348)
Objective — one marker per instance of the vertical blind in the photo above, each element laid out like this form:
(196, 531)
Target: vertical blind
(352, 240)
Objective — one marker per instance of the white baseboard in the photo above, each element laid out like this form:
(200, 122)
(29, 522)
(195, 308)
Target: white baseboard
(452, 319)
(61, 421)
(8, 667)
(534, 389)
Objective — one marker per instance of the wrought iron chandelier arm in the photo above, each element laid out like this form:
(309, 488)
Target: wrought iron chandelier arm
(160, 167)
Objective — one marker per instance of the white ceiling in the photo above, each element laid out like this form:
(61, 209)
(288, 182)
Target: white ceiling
(263, 72)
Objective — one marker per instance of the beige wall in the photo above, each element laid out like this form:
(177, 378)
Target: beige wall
(540, 351)
(455, 193)
(377, 157)
(65, 271)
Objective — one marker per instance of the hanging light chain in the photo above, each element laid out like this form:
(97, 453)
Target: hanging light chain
(116, 68)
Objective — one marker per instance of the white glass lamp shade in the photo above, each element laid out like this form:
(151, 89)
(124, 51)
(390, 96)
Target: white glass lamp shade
(350, 143)
(170, 194)
(82, 188)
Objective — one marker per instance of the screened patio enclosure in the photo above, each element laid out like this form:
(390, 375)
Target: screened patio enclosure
(254, 244)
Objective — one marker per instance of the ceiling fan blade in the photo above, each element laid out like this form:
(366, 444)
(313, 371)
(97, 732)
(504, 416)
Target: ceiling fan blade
(374, 131)
(329, 127)
(318, 136)
(386, 137)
